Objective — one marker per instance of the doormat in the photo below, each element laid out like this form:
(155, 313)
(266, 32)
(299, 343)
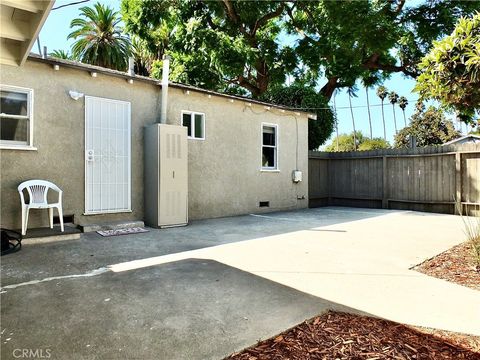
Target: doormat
(126, 231)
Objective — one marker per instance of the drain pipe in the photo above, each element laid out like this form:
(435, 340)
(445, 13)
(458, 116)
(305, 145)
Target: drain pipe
(165, 71)
(131, 66)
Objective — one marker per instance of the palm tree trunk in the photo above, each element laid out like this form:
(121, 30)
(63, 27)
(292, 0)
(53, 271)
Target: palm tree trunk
(369, 116)
(336, 117)
(404, 118)
(394, 118)
(353, 121)
(384, 127)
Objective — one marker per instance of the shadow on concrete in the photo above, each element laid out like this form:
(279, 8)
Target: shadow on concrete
(190, 309)
(93, 251)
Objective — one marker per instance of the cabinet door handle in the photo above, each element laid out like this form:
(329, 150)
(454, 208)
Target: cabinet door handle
(174, 174)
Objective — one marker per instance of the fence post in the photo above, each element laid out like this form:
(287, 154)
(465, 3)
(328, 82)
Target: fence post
(458, 183)
(385, 183)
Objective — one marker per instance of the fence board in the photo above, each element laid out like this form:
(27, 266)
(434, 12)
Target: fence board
(419, 179)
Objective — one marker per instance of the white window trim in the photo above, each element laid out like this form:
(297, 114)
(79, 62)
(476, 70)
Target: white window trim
(192, 114)
(16, 145)
(276, 168)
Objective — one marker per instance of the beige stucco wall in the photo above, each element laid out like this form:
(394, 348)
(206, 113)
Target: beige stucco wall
(224, 169)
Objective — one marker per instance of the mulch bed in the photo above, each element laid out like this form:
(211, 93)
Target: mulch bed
(456, 265)
(345, 336)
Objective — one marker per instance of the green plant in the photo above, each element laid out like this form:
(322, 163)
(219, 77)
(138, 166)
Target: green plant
(451, 70)
(99, 39)
(429, 127)
(472, 230)
(346, 142)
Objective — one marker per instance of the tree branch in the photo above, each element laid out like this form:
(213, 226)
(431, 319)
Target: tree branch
(297, 28)
(399, 7)
(373, 63)
(265, 18)
(247, 85)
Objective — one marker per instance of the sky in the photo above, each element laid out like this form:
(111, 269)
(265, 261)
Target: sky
(57, 27)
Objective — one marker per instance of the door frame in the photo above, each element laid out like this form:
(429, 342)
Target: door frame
(129, 149)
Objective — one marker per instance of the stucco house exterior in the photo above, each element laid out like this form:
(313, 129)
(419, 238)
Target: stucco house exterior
(241, 152)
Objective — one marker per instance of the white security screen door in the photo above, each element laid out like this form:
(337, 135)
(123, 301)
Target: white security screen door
(107, 155)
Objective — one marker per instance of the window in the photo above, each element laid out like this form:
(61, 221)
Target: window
(269, 147)
(195, 123)
(16, 120)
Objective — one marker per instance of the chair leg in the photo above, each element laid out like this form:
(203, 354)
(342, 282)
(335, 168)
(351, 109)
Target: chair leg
(26, 220)
(60, 215)
(23, 221)
(50, 217)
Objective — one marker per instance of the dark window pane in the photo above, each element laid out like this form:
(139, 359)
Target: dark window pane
(268, 135)
(14, 129)
(198, 126)
(187, 121)
(13, 103)
(268, 157)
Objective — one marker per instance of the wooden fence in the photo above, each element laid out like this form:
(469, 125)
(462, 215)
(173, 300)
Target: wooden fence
(435, 179)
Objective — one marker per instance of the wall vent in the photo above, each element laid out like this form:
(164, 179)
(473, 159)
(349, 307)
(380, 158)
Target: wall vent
(67, 219)
(264, 204)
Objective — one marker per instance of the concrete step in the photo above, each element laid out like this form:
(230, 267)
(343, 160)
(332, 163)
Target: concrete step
(112, 225)
(46, 235)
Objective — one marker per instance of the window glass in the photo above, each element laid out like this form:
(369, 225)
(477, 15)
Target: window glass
(269, 135)
(269, 147)
(187, 121)
(14, 129)
(268, 157)
(13, 103)
(198, 125)
(14, 117)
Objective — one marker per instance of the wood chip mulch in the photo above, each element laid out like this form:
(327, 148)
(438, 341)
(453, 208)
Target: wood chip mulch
(345, 336)
(456, 265)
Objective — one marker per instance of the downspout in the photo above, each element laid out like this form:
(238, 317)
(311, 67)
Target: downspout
(165, 71)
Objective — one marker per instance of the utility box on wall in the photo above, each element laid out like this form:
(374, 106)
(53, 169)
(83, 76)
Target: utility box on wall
(166, 175)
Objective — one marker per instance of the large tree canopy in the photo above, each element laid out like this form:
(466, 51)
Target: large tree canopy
(216, 44)
(349, 40)
(229, 45)
(451, 70)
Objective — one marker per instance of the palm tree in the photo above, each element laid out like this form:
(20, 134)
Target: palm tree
(382, 93)
(351, 92)
(335, 114)
(62, 54)
(393, 98)
(100, 39)
(403, 102)
(368, 82)
(142, 57)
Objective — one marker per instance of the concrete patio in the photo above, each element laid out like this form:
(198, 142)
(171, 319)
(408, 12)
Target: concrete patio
(219, 285)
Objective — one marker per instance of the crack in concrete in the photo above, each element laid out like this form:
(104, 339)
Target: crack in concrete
(95, 272)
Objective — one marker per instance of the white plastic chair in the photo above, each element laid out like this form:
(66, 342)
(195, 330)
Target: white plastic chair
(37, 193)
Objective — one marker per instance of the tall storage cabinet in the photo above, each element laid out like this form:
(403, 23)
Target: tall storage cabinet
(166, 175)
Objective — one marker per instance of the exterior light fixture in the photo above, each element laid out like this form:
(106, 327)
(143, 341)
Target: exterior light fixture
(75, 95)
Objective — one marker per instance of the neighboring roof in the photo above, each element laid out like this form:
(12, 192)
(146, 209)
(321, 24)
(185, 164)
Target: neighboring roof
(20, 24)
(101, 70)
(474, 138)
